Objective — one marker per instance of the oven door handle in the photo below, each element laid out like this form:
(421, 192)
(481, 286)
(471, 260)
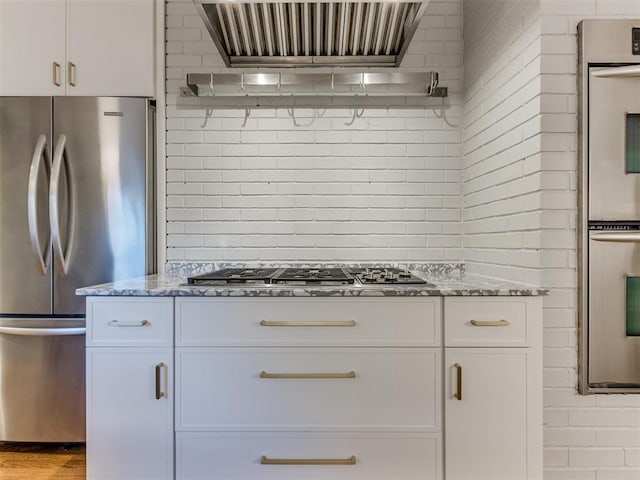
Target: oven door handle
(618, 72)
(629, 237)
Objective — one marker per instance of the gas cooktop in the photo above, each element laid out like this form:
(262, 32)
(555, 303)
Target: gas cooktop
(308, 276)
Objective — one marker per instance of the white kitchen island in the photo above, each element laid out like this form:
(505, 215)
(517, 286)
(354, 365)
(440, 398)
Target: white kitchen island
(348, 382)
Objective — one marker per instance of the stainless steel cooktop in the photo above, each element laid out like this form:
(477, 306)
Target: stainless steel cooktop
(308, 276)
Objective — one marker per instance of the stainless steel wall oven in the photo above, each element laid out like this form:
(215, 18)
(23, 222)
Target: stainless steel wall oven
(609, 215)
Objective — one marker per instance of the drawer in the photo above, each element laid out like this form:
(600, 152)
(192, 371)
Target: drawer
(240, 456)
(129, 321)
(402, 321)
(347, 389)
(490, 321)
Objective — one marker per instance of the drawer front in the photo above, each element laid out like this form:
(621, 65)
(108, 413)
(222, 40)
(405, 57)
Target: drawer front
(305, 321)
(345, 389)
(243, 456)
(129, 321)
(488, 321)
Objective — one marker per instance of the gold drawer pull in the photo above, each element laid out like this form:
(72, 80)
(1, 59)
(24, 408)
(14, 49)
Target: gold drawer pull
(489, 323)
(264, 460)
(159, 392)
(276, 323)
(458, 394)
(137, 323)
(350, 374)
(56, 74)
(71, 74)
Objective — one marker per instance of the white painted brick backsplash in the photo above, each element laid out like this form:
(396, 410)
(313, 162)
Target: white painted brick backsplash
(391, 165)
(596, 457)
(565, 474)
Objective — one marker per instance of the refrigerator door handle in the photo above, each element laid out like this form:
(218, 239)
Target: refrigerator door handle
(632, 237)
(39, 153)
(43, 331)
(54, 218)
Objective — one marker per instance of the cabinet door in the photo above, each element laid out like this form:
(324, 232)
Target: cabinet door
(32, 42)
(110, 47)
(129, 429)
(488, 415)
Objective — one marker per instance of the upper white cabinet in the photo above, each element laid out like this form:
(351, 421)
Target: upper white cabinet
(32, 47)
(110, 42)
(77, 47)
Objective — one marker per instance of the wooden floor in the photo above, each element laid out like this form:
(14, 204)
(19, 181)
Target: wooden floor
(42, 461)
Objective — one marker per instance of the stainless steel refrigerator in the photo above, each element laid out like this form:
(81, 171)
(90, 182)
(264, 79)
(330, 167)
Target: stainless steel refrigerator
(76, 209)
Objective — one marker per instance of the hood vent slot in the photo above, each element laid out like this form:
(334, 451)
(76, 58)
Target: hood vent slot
(295, 34)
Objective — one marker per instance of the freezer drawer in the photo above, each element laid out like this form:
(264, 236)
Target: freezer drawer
(614, 309)
(42, 391)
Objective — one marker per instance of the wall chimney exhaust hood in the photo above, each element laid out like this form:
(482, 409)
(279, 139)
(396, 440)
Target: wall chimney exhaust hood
(307, 33)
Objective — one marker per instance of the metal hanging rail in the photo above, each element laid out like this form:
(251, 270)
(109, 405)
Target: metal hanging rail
(315, 84)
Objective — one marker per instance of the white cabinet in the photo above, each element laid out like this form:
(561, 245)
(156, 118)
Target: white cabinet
(308, 388)
(32, 47)
(77, 47)
(129, 390)
(129, 414)
(493, 393)
(314, 388)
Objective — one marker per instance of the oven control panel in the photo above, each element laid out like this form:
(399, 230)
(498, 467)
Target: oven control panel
(621, 225)
(635, 41)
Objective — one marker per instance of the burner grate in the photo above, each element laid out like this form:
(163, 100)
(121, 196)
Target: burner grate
(234, 276)
(387, 276)
(315, 276)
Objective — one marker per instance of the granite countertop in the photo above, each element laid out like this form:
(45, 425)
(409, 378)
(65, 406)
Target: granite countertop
(448, 279)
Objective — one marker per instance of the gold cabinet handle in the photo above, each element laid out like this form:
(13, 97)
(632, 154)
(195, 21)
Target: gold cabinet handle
(264, 460)
(489, 323)
(56, 74)
(278, 323)
(350, 374)
(159, 392)
(458, 394)
(71, 73)
(137, 323)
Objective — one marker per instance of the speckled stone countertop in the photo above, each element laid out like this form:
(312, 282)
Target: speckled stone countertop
(448, 278)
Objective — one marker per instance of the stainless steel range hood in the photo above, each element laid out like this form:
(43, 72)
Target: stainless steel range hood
(271, 33)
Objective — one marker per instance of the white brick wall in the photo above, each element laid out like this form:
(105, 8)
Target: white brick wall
(595, 436)
(501, 139)
(520, 205)
(386, 187)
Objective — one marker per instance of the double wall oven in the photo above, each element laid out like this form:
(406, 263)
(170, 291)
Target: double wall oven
(609, 247)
